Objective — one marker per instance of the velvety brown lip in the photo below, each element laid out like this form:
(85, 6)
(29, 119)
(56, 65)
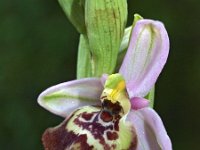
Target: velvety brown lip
(60, 138)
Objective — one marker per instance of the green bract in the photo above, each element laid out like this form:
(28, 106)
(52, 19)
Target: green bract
(74, 9)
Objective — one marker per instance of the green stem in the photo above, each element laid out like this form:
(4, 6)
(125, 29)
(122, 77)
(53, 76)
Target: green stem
(84, 64)
(150, 96)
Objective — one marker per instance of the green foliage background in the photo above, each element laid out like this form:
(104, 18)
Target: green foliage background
(38, 48)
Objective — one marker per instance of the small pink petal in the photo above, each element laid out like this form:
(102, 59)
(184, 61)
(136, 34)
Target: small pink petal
(139, 103)
(150, 130)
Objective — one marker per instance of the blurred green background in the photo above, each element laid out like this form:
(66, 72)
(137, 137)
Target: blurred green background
(38, 48)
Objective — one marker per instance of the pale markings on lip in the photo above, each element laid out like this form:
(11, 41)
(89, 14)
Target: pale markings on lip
(99, 131)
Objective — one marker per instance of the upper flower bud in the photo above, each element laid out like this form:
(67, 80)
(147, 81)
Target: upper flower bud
(105, 24)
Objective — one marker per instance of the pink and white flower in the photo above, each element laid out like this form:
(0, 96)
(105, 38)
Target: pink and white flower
(88, 124)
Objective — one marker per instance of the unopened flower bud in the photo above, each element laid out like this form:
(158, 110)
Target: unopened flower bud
(105, 23)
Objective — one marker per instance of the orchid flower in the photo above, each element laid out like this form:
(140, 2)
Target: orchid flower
(111, 112)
